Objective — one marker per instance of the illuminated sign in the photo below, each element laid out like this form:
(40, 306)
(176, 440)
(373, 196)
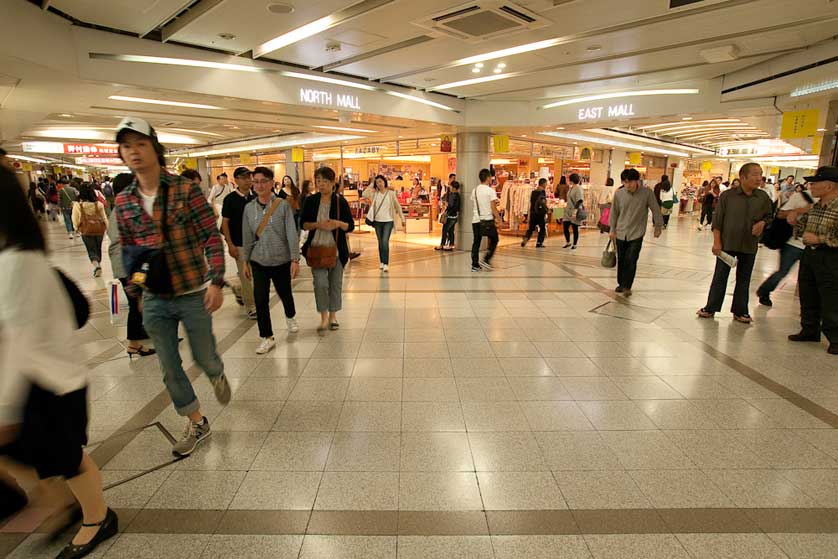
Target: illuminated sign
(91, 149)
(322, 97)
(610, 111)
(100, 161)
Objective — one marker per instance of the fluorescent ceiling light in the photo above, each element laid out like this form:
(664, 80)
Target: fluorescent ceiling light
(611, 143)
(472, 81)
(815, 88)
(664, 124)
(252, 146)
(196, 132)
(325, 79)
(651, 141)
(162, 102)
(618, 94)
(180, 62)
(520, 49)
(25, 158)
(298, 34)
(342, 129)
(688, 127)
(420, 100)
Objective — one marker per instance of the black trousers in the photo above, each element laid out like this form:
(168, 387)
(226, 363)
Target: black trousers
(93, 244)
(537, 221)
(262, 278)
(818, 281)
(741, 293)
(706, 212)
(567, 226)
(448, 232)
(628, 252)
(136, 331)
(475, 246)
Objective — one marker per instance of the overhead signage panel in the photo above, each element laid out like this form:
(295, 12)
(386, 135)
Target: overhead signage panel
(799, 124)
(322, 97)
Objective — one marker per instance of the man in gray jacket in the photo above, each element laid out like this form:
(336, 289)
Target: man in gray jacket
(629, 214)
(271, 253)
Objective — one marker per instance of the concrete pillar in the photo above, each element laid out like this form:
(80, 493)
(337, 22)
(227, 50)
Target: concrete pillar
(599, 170)
(618, 164)
(206, 179)
(829, 153)
(291, 169)
(472, 155)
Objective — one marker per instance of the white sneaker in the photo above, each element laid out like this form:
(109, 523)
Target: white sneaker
(293, 327)
(266, 345)
(385, 268)
(381, 266)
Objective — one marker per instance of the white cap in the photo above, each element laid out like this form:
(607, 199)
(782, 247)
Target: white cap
(137, 125)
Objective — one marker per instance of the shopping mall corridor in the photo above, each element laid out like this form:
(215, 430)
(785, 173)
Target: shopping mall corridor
(524, 412)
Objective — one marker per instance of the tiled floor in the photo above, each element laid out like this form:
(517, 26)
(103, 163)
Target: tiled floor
(526, 412)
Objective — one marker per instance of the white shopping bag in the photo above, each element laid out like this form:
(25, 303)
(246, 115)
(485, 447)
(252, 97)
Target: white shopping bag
(117, 303)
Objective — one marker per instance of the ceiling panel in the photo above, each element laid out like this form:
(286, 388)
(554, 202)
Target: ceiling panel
(138, 16)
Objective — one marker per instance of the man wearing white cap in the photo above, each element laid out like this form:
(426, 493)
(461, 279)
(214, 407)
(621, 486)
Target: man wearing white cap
(173, 253)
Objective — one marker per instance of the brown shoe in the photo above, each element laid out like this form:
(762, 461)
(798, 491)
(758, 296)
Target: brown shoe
(705, 314)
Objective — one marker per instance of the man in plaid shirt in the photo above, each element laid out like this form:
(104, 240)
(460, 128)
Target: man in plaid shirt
(818, 276)
(190, 290)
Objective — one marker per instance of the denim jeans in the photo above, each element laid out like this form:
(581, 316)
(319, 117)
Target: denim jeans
(744, 268)
(448, 232)
(68, 218)
(383, 230)
(789, 256)
(628, 253)
(161, 317)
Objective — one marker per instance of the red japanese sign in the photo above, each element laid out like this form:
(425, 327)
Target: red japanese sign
(92, 149)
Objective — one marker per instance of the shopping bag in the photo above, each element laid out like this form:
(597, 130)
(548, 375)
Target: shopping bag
(609, 257)
(117, 303)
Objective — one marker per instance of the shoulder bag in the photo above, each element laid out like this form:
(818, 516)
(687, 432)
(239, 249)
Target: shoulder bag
(148, 267)
(487, 226)
(324, 257)
(671, 202)
(371, 222)
(581, 212)
(267, 217)
(91, 226)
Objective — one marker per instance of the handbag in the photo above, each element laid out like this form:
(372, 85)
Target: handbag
(776, 234)
(324, 257)
(442, 218)
(91, 226)
(609, 257)
(669, 203)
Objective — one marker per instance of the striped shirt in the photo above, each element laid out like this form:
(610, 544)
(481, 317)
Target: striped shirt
(822, 220)
(194, 251)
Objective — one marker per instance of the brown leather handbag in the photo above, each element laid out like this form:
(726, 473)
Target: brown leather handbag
(324, 257)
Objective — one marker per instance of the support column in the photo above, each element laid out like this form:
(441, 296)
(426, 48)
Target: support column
(291, 169)
(618, 164)
(472, 155)
(206, 175)
(829, 150)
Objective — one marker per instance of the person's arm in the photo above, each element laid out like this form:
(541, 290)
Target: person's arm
(225, 230)
(309, 216)
(291, 234)
(101, 209)
(657, 217)
(206, 228)
(614, 217)
(346, 222)
(248, 235)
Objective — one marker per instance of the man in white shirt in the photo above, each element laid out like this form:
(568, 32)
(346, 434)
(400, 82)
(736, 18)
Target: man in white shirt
(218, 192)
(484, 221)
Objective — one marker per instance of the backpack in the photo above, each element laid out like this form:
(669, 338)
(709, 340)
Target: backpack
(92, 226)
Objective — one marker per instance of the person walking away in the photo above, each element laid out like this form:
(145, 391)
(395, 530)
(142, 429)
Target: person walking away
(232, 212)
(452, 215)
(271, 252)
(67, 198)
(629, 215)
(818, 276)
(575, 201)
(484, 222)
(136, 332)
(90, 220)
(43, 377)
(52, 201)
(171, 247)
(791, 252)
(385, 214)
(107, 191)
(328, 218)
(666, 198)
(537, 214)
(738, 224)
(708, 204)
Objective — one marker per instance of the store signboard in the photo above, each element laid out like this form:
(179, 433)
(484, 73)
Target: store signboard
(43, 147)
(92, 149)
(706, 166)
(99, 161)
(635, 158)
(799, 124)
(598, 112)
(445, 143)
(501, 144)
(244, 158)
(191, 163)
(330, 99)
(297, 155)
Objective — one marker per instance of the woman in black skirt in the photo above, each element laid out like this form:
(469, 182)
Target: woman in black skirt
(43, 383)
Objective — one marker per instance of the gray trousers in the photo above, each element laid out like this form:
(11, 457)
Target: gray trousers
(328, 288)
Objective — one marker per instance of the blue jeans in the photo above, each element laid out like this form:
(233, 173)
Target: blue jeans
(68, 219)
(161, 317)
(789, 256)
(383, 229)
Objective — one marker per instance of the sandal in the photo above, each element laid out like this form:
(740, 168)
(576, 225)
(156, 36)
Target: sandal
(705, 314)
(743, 318)
(108, 528)
(334, 326)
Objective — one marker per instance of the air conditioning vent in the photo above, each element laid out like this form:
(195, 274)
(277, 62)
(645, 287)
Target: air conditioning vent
(476, 22)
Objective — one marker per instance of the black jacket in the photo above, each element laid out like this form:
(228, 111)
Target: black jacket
(453, 201)
(309, 215)
(534, 198)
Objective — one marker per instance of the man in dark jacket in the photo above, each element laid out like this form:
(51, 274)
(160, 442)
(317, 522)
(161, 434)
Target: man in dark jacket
(537, 214)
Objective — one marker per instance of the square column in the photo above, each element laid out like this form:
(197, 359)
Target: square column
(472, 155)
(291, 168)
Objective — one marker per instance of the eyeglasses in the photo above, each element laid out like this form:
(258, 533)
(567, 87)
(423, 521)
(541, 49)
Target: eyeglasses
(263, 181)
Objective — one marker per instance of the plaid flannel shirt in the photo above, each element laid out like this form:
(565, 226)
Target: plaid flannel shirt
(822, 220)
(193, 235)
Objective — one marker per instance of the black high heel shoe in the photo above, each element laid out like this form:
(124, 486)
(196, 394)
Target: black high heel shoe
(108, 528)
(141, 351)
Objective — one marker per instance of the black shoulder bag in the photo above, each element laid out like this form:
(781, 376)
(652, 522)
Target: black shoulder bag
(148, 267)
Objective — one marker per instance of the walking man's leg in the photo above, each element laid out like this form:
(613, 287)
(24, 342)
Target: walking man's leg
(632, 255)
(246, 284)
(810, 298)
(475, 245)
(718, 287)
(493, 244)
(826, 274)
(261, 294)
(742, 290)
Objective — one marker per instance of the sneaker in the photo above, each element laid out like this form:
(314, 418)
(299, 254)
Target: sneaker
(700, 227)
(221, 388)
(619, 289)
(804, 337)
(523, 243)
(566, 246)
(765, 300)
(832, 349)
(266, 345)
(485, 265)
(385, 268)
(539, 245)
(381, 266)
(72, 236)
(626, 292)
(252, 315)
(475, 268)
(293, 327)
(193, 435)
(439, 248)
(701, 313)
(743, 318)
(573, 247)
(448, 248)
(97, 272)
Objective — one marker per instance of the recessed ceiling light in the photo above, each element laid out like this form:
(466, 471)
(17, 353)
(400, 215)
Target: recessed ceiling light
(476, 70)
(687, 118)
(594, 48)
(498, 70)
(66, 115)
(559, 127)
(478, 65)
(162, 102)
(821, 129)
(523, 135)
(501, 64)
(277, 8)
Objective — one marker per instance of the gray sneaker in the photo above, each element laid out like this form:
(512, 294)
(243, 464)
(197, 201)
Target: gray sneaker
(193, 435)
(221, 388)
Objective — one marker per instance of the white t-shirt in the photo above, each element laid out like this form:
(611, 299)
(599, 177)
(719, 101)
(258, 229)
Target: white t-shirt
(382, 208)
(796, 202)
(148, 202)
(483, 196)
(218, 193)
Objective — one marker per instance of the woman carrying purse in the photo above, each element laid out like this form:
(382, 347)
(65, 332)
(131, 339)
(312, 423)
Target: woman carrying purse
(328, 218)
(385, 215)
